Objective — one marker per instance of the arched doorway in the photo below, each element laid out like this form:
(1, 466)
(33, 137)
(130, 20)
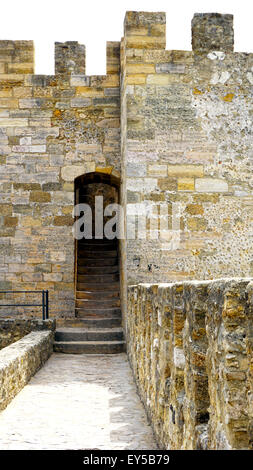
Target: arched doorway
(97, 285)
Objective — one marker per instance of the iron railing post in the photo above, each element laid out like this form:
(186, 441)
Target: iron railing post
(43, 305)
(47, 307)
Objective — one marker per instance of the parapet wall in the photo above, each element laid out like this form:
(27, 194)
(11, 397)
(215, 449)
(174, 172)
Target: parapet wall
(20, 361)
(190, 348)
(12, 330)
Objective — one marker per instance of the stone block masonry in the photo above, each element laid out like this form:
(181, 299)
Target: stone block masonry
(190, 348)
(52, 130)
(175, 129)
(173, 126)
(186, 141)
(20, 361)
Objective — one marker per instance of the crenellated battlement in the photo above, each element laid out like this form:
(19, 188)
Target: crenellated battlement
(142, 31)
(70, 57)
(16, 57)
(112, 57)
(212, 32)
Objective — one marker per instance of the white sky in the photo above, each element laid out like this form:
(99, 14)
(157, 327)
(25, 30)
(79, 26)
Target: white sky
(94, 22)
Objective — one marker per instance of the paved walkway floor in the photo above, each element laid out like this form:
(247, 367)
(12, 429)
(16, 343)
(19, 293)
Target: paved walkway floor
(78, 402)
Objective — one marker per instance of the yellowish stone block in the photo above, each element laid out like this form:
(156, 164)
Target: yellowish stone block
(111, 81)
(8, 103)
(158, 30)
(22, 92)
(195, 209)
(145, 42)
(89, 91)
(136, 79)
(30, 222)
(5, 92)
(21, 68)
(228, 97)
(140, 68)
(196, 224)
(196, 91)
(185, 170)
(68, 187)
(106, 170)
(185, 184)
(136, 31)
(11, 76)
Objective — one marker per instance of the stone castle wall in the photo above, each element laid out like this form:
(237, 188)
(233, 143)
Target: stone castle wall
(52, 129)
(174, 126)
(187, 144)
(190, 347)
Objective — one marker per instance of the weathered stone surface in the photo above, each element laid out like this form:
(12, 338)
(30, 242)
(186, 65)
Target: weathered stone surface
(63, 220)
(40, 196)
(228, 361)
(212, 32)
(69, 173)
(52, 130)
(20, 361)
(69, 58)
(210, 185)
(13, 329)
(190, 348)
(188, 115)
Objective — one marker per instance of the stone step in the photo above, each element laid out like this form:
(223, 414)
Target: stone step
(85, 261)
(82, 334)
(91, 286)
(99, 303)
(90, 322)
(97, 278)
(113, 312)
(98, 269)
(97, 299)
(96, 254)
(94, 295)
(90, 347)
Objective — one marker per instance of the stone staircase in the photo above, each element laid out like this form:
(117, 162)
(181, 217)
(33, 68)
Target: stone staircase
(97, 326)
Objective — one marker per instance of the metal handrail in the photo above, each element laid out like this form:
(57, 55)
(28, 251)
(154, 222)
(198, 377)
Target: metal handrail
(44, 304)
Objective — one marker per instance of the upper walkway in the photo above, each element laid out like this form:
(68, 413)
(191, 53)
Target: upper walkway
(78, 402)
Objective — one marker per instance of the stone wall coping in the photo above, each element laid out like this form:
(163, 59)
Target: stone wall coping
(193, 282)
(20, 361)
(25, 344)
